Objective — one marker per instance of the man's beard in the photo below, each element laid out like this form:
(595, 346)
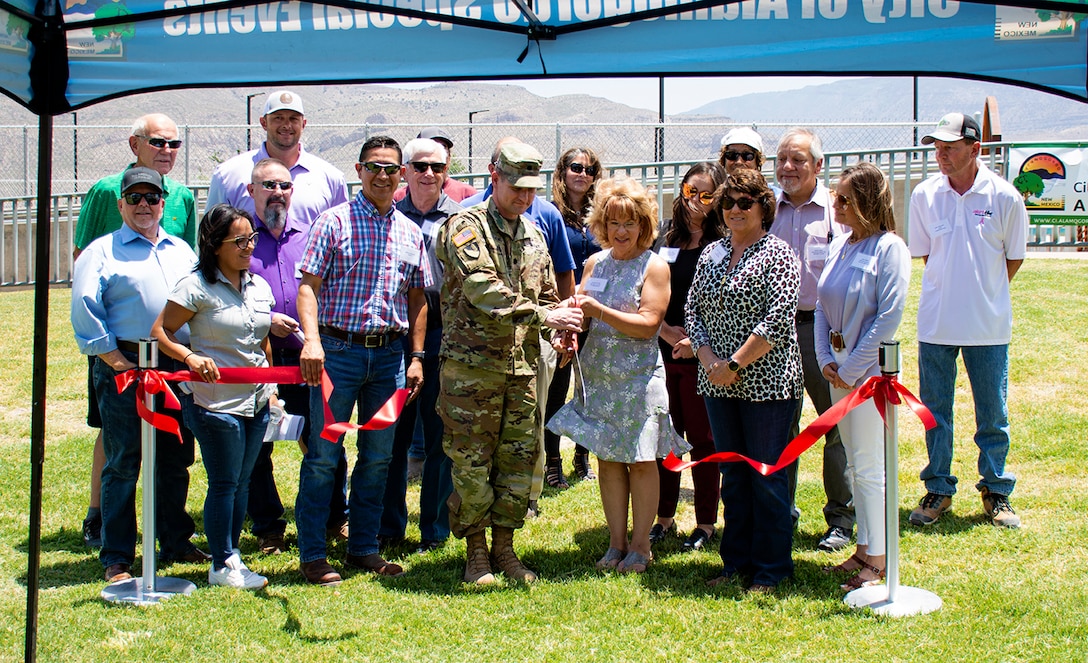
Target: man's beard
(275, 216)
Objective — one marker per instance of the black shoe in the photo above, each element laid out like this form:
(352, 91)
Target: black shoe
(533, 511)
(835, 538)
(659, 533)
(582, 467)
(697, 540)
(427, 545)
(193, 555)
(387, 542)
(92, 531)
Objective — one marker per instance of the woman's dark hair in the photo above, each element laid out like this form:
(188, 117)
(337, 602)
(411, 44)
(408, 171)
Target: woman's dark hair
(574, 217)
(872, 196)
(713, 225)
(214, 228)
(752, 183)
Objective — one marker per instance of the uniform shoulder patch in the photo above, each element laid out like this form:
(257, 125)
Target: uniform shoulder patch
(464, 237)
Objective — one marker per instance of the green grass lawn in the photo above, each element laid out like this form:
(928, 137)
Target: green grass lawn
(1008, 595)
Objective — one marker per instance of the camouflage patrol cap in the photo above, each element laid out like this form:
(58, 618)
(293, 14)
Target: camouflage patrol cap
(520, 164)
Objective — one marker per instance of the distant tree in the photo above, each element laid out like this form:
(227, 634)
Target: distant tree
(1063, 16)
(1029, 184)
(17, 26)
(114, 34)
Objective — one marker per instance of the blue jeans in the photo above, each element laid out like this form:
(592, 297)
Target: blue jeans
(229, 445)
(988, 372)
(758, 533)
(437, 481)
(366, 377)
(121, 443)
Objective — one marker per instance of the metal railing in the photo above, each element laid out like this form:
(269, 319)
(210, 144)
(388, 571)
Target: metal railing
(905, 168)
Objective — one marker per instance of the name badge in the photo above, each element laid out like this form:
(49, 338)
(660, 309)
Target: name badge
(596, 284)
(298, 270)
(865, 263)
(669, 253)
(941, 228)
(430, 229)
(717, 253)
(816, 252)
(409, 255)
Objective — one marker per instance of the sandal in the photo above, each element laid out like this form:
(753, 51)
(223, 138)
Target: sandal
(857, 582)
(582, 467)
(843, 568)
(635, 562)
(553, 475)
(612, 557)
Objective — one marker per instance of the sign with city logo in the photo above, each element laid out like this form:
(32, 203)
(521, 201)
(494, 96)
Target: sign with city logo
(1054, 183)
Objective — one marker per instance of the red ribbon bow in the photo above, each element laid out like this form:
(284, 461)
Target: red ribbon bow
(154, 382)
(882, 389)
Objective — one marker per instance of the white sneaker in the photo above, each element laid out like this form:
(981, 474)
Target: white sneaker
(236, 574)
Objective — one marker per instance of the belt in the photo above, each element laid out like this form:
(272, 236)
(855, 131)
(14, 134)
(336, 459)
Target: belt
(128, 346)
(836, 340)
(805, 316)
(365, 340)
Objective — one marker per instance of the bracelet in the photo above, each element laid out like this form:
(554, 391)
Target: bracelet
(186, 359)
(418, 354)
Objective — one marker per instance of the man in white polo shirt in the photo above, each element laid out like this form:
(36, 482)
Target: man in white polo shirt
(969, 226)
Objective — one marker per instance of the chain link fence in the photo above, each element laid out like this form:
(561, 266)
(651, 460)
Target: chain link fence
(83, 154)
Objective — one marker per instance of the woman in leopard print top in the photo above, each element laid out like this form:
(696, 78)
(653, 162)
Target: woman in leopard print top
(740, 318)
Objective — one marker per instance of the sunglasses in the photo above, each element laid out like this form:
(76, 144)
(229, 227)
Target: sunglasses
(578, 169)
(436, 168)
(732, 155)
(843, 201)
(159, 143)
(135, 198)
(744, 203)
(689, 192)
(272, 185)
(243, 241)
(374, 168)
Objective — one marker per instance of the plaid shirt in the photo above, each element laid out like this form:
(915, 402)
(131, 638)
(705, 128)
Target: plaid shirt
(367, 262)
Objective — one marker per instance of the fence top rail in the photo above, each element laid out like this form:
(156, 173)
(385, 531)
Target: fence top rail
(481, 125)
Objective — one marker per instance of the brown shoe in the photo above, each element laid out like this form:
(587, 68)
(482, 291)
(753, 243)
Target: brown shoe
(477, 564)
(193, 555)
(319, 572)
(271, 544)
(374, 563)
(504, 557)
(998, 509)
(929, 509)
(117, 573)
(337, 533)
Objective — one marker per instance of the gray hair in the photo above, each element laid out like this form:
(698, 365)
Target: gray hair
(139, 127)
(422, 146)
(815, 146)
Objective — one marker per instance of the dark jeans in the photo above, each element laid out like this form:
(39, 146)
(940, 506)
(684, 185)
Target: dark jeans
(121, 442)
(265, 507)
(758, 533)
(436, 481)
(689, 418)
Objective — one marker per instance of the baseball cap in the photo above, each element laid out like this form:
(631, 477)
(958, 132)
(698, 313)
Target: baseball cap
(520, 164)
(434, 133)
(141, 175)
(953, 127)
(283, 100)
(743, 136)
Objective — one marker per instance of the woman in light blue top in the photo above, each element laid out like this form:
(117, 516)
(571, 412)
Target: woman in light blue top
(860, 301)
(228, 311)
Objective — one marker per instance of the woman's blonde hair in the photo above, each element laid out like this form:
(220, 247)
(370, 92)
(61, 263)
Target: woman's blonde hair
(872, 197)
(623, 197)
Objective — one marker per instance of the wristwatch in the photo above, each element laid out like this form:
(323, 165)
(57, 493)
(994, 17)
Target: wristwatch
(733, 365)
(418, 354)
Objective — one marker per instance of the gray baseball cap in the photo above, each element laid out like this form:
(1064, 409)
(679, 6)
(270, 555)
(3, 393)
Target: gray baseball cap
(141, 175)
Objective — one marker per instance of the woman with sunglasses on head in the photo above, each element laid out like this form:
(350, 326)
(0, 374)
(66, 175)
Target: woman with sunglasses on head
(696, 222)
(860, 300)
(740, 319)
(620, 410)
(228, 311)
(573, 186)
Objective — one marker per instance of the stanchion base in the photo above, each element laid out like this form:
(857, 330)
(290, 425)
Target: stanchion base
(132, 591)
(908, 601)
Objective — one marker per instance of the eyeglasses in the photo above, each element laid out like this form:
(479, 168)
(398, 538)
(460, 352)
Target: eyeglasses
(578, 169)
(243, 241)
(843, 201)
(744, 203)
(629, 226)
(374, 168)
(135, 198)
(159, 143)
(421, 167)
(689, 192)
(272, 185)
(733, 155)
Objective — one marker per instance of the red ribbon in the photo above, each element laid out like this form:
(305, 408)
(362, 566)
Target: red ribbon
(154, 382)
(882, 389)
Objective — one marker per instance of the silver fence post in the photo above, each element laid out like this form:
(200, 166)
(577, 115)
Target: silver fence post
(892, 599)
(148, 589)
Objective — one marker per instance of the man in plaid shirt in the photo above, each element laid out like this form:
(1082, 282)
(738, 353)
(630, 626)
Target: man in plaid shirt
(361, 307)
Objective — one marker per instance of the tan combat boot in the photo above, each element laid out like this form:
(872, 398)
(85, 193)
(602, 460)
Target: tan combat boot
(503, 556)
(477, 568)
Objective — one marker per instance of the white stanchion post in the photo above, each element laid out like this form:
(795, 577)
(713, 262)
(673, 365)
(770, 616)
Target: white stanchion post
(892, 599)
(148, 589)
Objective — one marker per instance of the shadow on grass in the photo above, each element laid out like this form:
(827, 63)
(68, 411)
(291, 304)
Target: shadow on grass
(294, 627)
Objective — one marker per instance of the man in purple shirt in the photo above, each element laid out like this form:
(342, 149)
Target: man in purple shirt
(276, 258)
(317, 184)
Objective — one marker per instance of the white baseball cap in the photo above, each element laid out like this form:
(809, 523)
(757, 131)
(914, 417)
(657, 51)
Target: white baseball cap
(743, 136)
(283, 100)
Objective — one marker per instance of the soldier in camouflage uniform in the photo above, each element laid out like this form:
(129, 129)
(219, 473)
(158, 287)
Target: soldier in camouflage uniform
(498, 292)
